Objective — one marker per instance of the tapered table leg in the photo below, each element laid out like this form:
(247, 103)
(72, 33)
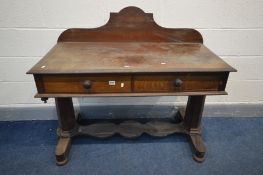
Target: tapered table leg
(192, 120)
(67, 123)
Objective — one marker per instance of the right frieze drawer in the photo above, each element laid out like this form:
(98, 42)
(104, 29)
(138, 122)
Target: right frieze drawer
(180, 82)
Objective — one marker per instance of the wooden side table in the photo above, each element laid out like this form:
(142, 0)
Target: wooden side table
(130, 56)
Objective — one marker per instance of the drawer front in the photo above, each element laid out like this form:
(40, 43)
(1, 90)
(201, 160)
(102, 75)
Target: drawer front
(136, 83)
(83, 84)
(188, 82)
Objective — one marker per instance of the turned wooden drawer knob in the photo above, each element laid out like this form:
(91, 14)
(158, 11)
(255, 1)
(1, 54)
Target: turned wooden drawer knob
(178, 82)
(87, 84)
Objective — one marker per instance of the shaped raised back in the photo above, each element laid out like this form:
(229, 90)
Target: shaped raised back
(131, 24)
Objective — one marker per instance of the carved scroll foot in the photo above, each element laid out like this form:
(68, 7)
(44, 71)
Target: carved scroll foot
(62, 150)
(198, 147)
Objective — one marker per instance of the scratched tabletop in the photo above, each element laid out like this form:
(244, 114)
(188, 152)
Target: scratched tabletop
(129, 57)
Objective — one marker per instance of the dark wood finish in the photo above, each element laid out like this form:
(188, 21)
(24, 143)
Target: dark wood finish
(131, 24)
(190, 82)
(192, 120)
(198, 147)
(143, 59)
(39, 83)
(67, 124)
(65, 113)
(133, 129)
(194, 111)
(116, 57)
(128, 129)
(62, 150)
(75, 84)
(134, 94)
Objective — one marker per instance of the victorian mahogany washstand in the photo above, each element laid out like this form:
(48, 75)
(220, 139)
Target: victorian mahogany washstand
(130, 56)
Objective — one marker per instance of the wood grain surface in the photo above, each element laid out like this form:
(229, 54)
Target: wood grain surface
(130, 42)
(131, 24)
(128, 57)
(124, 83)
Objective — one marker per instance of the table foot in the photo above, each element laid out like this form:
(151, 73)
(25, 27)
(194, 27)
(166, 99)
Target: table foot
(62, 150)
(198, 159)
(198, 147)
